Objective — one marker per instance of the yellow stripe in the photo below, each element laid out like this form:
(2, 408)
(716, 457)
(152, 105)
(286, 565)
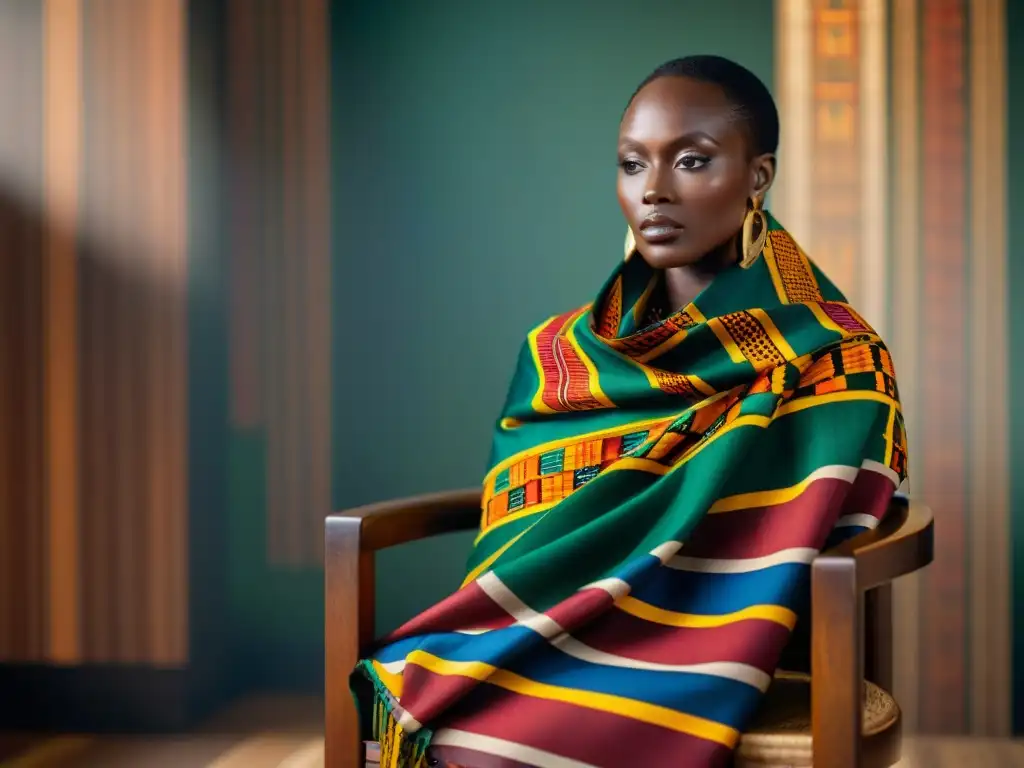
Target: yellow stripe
(392, 681)
(593, 383)
(812, 401)
(696, 314)
(825, 320)
(890, 424)
(773, 333)
(760, 498)
(726, 340)
(534, 510)
(602, 702)
(649, 612)
(471, 576)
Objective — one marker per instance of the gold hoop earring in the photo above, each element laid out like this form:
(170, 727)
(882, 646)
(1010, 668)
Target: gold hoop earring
(752, 248)
(630, 243)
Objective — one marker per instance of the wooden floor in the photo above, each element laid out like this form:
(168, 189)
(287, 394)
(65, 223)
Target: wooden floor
(282, 732)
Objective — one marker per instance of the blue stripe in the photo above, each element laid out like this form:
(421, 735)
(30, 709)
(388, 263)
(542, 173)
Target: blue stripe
(715, 698)
(491, 647)
(717, 593)
(637, 569)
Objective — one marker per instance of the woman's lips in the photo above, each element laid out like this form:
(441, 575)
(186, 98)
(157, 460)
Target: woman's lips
(659, 228)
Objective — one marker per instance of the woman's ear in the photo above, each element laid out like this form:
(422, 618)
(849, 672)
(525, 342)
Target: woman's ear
(763, 175)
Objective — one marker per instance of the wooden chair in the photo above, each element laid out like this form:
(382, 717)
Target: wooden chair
(847, 714)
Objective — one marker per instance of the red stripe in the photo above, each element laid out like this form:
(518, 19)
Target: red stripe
(752, 641)
(804, 521)
(578, 733)
(870, 495)
(469, 608)
(546, 340)
(580, 607)
(426, 695)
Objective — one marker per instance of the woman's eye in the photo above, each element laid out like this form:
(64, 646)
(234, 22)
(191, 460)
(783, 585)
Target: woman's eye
(693, 162)
(630, 166)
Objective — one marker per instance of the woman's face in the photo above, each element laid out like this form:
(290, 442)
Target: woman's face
(686, 171)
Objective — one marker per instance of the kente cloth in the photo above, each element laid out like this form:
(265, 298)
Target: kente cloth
(656, 494)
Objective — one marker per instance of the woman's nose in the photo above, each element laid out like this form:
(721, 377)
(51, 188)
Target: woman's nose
(659, 189)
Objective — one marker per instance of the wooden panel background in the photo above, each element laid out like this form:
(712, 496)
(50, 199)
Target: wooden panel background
(279, 123)
(93, 511)
(932, 279)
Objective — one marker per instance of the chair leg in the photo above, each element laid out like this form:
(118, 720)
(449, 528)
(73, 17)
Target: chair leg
(836, 662)
(348, 630)
(878, 636)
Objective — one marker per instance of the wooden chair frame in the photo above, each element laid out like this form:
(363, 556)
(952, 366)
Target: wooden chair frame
(846, 582)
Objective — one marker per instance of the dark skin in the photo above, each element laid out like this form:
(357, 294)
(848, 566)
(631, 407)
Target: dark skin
(687, 173)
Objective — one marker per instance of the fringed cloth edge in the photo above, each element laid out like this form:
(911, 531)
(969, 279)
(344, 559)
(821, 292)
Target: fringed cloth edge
(399, 747)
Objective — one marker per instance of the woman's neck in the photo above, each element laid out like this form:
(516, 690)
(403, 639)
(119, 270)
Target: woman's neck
(683, 284)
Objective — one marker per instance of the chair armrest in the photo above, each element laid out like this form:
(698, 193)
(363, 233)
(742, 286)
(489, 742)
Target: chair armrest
(351, 540)
(389, 523)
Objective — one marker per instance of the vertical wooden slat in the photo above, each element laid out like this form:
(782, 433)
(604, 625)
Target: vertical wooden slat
(990, 605)
(97, 347)
(177, 178)
(62, 173)
(872, 257)
(128, 465)
(836, 143)
(315, 88)
(273, 321)
(89, 458)
(159, 495)
(906, 189)
(291, 257)
(143, 284)
(793, 45)
(28, 114)
(943, 398)
(8, 339)
(23, 585)
(246, 266)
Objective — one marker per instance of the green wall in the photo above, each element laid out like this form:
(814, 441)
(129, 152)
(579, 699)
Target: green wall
(473, 196)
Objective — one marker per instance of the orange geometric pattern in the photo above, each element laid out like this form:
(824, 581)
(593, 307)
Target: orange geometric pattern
(611, 316)
(552, 473)
(790, 269)
(752, 340)
(639, 344)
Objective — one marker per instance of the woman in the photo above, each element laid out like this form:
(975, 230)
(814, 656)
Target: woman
(669, 461)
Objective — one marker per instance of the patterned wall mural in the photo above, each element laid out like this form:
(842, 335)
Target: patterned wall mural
(901, 197)
(93, 514)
